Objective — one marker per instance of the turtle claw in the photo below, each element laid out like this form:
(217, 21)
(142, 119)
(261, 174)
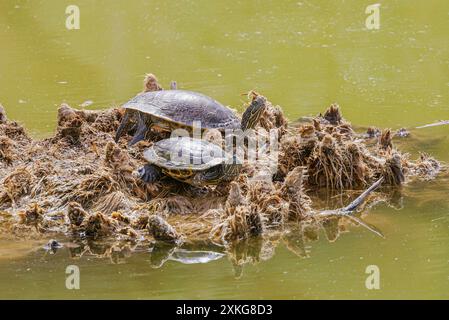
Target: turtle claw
(139, 136)
(149, 173)
(141, 131)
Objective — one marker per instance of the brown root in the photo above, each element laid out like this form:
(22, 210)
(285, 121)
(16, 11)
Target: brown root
(107, 121)
(273, 118)
(327, 165)
(235, 197)
(296, 150)
(178, 205)
(119, 162)
(140, 223)
(15, 132)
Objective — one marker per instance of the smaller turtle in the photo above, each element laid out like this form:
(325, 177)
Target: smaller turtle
(193, 161)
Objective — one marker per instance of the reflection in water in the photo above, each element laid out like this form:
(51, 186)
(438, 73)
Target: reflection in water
(240, 253)
(308, 260)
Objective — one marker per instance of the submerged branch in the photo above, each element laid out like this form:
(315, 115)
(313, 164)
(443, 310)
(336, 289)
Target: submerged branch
(353, 205)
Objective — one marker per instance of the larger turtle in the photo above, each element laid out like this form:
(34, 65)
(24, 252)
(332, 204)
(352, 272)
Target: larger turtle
(193, 161)
(171, 109)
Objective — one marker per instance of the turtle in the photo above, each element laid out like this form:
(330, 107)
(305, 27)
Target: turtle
(167, 110)
(193, 161)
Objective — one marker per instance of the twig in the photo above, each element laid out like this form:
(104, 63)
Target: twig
(360, 199)
(353, 205)
(439, 123)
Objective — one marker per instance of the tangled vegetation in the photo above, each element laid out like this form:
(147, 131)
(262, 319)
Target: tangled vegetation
(80, 183)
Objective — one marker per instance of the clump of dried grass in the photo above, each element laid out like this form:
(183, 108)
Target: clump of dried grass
(150, 83)
(385, 140)
(393, 170)
(98, 225)
(327, 165)
(426, 167)
(33, 215)
(3, 117)
(337, 158)
(91, 188)
(15, 185)
(292, 191)
(76, 214)
(161, 230)
(113, 201)
(7, 150)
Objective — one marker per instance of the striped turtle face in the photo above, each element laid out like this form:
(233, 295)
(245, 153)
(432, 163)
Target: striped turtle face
(252, 114)
(217, 174)
(210, 176)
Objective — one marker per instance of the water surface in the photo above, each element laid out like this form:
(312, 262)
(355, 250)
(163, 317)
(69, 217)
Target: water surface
(303, 55)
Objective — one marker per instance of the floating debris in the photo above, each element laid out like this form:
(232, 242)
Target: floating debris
(439, 123)
(86, 103)
(81, 171)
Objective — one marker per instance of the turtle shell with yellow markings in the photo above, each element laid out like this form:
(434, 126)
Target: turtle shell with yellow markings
(193, 161)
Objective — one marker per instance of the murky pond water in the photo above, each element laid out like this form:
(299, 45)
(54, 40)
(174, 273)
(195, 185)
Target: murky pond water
(303, 55)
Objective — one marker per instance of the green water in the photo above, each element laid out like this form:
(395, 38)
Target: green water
(303, 55)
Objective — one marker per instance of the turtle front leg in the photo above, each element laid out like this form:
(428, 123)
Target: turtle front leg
(149, 173)
(123, 124)
(142, 129)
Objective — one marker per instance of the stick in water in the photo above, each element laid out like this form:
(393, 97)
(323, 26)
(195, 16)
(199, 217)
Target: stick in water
(439, 123)
(354, 204)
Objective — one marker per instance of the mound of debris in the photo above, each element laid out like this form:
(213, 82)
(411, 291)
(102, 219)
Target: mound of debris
(80, 182)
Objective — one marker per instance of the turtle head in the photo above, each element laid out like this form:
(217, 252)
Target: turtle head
(210, 176)
(252, 114)
(148, 173)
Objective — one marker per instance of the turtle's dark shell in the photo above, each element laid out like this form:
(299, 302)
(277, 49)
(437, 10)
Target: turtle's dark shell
(185, 153)
(183, 107)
